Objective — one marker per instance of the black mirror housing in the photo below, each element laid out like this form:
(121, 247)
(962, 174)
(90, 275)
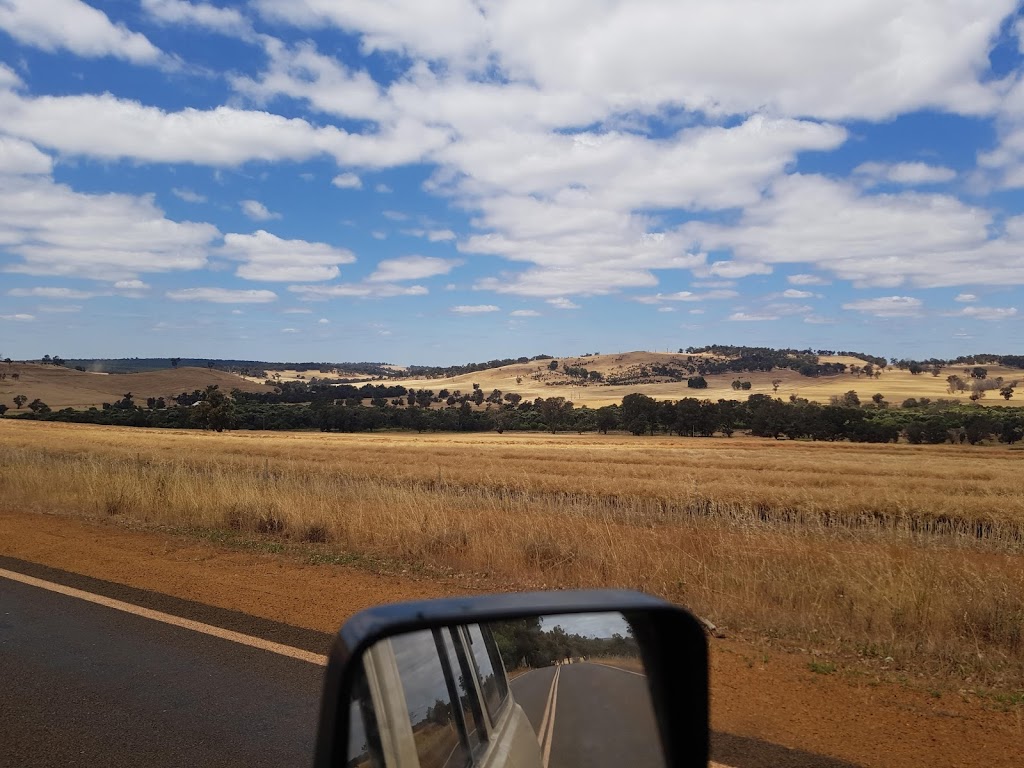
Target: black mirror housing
(672, 644)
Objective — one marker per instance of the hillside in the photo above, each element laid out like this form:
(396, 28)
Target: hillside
(534, 379)
(61, 387)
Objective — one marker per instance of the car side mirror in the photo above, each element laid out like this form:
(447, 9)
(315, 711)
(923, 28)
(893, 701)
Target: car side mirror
(569, 678)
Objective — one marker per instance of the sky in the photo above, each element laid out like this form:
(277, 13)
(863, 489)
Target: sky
(447, 181)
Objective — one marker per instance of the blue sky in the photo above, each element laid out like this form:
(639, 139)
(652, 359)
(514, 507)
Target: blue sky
(457, 180)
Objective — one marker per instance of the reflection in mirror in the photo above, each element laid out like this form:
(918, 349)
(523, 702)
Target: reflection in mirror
(544, 691)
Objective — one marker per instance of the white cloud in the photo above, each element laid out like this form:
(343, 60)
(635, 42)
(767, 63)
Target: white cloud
(323, 321)
(47, 292)
(68, 309)
(696, 311)
(188, 195)
(298, 311)
(440, 235)
(792, 293)
(904, 173)
(737, 269)
(56, 231)
(965, 297)
(475, 309)
(806, 280)
(819, 320)
(52, 25)
(525, 313)
(257, 211)
(356, 291)
(688, 296)
(21, 157)
(289, 330)
(383, 189)
(694, 54)
(887, 306)
(347, 181)
(563, 303)
(226, 21)
(103, 126)
(270, 258)
(988, 313)
(222, 295)
(879, 240)
(20, 317)
(666, 309)
(411, 268)
(395, 215)
(746, 317)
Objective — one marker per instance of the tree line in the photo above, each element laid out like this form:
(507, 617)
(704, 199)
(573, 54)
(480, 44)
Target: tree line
(846, 418)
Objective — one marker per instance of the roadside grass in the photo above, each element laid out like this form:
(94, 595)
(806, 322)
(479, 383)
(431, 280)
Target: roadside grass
(902, 552)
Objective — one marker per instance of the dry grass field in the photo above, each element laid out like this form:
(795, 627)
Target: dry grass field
(533, 380)
(61, 387)
(908, 552)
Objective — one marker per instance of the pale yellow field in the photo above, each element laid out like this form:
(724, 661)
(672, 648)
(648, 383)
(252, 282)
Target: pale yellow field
(913, 552)
(60, 387)
(534, 380)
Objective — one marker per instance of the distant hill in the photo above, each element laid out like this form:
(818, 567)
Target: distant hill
(664, 375)
(246, 367)
(61, 387)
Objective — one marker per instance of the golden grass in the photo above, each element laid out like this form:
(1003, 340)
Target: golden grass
(905, 551)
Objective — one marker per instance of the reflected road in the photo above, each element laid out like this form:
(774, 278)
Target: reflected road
(598, 716)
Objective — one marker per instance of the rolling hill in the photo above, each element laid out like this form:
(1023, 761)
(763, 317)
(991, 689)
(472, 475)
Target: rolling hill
(61, 387)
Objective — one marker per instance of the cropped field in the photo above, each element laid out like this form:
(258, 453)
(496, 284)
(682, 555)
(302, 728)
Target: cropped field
(909, 552)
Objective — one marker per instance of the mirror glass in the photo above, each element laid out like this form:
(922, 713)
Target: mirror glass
(547, 691)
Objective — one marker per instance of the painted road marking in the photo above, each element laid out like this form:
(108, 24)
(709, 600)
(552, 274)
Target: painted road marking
(166, 618)
(553, 703)
(547, 710)
(620, 669)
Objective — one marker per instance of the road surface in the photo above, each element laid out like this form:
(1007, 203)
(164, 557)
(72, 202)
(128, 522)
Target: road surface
(85, 685)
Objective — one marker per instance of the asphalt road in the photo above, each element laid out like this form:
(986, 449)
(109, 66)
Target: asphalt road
(83, 684)
(602, 716)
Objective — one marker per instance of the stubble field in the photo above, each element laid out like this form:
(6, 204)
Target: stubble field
(909, 557)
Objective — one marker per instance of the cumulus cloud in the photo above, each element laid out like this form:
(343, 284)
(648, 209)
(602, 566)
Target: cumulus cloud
(525, 313)
(257, 211)
(22, 157)
(347, 181)
(988, 313)
(884, 240)
(226, 21)
(806, 280)
(356, 291)
(792, 293)
(411, 268)
(222, 295)
(20, 317)
(74, 26)
(188, 195)
(475, 309)
(904, 173)
(887, 306)
(270, 258)
(563, 303)
(52, 292)
(965, 297)
(55, 231)
(751, 317)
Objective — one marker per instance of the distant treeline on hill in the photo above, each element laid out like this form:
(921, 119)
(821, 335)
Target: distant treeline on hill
(256, 368)
(436, 371)
(919, 421)
(729, 359)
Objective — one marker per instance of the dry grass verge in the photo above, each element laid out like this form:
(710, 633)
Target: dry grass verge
(887, 551)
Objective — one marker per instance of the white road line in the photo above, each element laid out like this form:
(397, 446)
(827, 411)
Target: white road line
(547, 709)
(551, 723)
(620, 669)
(166, 618)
